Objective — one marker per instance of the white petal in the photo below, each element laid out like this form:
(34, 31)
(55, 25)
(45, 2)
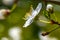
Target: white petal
(34, 14)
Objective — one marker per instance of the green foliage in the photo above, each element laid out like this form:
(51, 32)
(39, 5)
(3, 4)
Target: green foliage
(31, 32)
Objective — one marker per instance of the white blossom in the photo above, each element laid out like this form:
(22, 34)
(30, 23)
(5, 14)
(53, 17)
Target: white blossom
(8, 2)
(15, 33)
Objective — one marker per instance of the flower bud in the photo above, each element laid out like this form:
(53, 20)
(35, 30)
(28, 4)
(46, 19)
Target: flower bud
(4, 13)
(49, 8)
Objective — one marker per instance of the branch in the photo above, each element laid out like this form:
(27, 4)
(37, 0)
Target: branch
(53, 1)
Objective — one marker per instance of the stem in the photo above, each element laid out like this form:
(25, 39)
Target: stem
(45, 21)
(55, 16)
(47, 33)
(54, 29)
(13, 7)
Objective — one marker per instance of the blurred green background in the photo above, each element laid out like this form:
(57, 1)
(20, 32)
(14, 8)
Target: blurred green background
(31, 32)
